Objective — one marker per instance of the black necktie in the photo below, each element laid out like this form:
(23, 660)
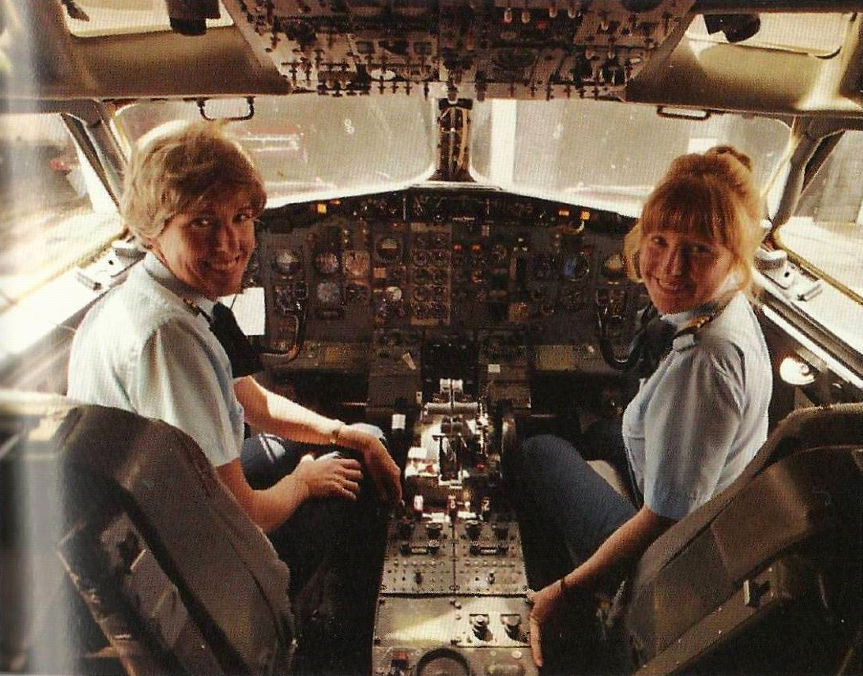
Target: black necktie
(245, 360)
(650, 344)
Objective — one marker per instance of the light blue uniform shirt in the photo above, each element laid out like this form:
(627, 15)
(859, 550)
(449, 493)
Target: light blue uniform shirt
(702, 415)
(142, 348)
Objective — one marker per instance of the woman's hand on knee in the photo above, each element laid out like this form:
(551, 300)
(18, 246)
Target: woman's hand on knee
(381, 467)
(329, 476)
(545, 603)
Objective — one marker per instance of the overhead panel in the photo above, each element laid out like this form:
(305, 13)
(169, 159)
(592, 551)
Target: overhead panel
(460, 48)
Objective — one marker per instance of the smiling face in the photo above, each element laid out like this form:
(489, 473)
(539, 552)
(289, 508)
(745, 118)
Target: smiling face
(209, 246)
(682, 270)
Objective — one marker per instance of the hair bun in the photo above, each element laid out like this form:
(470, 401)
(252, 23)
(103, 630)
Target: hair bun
(741, 157)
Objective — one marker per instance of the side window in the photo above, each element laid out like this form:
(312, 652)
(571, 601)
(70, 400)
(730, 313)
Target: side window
(54, 211)
(826, 232)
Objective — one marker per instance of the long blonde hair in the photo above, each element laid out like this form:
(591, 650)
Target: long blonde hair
(711, 195)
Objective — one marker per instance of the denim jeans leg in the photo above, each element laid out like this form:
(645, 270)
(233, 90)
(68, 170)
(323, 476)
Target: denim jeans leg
(267, 458)
(569, 496)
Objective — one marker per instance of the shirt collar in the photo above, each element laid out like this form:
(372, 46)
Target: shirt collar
(726, 293)
(163, 276)
(683, 319)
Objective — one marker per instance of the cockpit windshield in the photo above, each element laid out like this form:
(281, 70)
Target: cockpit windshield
(593, 153)
(307, 146)
(604, 154)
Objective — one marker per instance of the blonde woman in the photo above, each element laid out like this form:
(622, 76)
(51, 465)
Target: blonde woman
(697, 420)
(161, 345)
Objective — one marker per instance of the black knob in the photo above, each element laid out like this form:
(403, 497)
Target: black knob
(479, 625)
(405, 528)
(512, 625)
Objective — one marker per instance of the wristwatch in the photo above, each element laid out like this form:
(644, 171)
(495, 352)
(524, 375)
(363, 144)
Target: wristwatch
(334, 434)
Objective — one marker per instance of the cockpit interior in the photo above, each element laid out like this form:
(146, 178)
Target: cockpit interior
(441, 255)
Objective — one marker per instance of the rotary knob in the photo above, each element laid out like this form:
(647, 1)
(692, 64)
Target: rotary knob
(479, 625)
(512, 626)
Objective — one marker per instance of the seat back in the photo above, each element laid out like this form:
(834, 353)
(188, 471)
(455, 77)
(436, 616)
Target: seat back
(172, 570)
(804, 482)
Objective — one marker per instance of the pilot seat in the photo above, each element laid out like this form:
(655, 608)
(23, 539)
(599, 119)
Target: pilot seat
(765, 577)
(167, 573)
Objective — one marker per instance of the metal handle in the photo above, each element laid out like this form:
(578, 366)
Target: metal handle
(250, 101)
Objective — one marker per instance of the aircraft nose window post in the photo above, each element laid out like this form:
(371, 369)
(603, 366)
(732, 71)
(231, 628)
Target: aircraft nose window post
(424, 338)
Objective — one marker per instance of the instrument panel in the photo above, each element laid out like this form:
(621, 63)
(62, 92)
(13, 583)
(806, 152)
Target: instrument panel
(456, 48)
(378, 280)
(453, 584)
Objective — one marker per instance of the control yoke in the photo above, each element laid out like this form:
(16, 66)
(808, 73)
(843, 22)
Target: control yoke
(295, 311)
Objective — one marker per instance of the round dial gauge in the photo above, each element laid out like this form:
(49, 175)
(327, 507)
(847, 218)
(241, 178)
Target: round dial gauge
(420, 258)
(576, 268)
(498, 253)
(393, 294)
(328, 293)
(288, 262)
(356, 293)
(327, 263)
(356, 263)
(440, 240)
(388, 248)
(614, 266)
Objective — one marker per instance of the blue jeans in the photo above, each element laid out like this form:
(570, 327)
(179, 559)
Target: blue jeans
(267, 458)
(333, 548)
(565, 509)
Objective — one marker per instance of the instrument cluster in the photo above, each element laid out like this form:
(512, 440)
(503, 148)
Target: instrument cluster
(460, 48)
(396, 269)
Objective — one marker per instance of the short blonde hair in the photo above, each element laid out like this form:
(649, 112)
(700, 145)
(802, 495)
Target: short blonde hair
(179, 170)
(712, 195)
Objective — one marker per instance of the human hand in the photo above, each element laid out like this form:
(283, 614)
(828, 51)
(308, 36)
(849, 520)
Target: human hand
(544, 604)
(380, 465)
(329, 476)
